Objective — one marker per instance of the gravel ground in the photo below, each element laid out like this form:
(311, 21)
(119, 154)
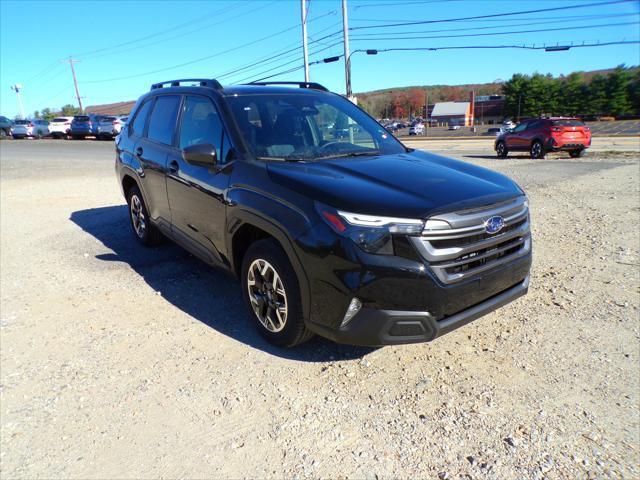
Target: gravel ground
(122, 362)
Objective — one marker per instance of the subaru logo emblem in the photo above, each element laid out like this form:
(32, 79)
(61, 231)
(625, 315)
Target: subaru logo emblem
(494, 224)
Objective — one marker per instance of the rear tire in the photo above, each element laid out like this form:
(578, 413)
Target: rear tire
(3, 133)
(271, 293)
(537, 150)
(143, 229)
(501, 150)
(577, 153)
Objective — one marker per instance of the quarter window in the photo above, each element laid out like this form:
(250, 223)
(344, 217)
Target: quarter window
(201, 124)
(163, 119)
(137, 127)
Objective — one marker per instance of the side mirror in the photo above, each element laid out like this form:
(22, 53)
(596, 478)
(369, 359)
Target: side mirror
(202, 154)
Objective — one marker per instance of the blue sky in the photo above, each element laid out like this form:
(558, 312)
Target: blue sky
(123, 47)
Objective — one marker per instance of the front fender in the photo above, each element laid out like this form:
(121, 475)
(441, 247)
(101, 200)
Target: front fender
(283, 221)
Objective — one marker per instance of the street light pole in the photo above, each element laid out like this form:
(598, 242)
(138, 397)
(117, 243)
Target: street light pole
(16, 88)
(304, 40)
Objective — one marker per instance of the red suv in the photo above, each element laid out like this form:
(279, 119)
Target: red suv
(543, 135)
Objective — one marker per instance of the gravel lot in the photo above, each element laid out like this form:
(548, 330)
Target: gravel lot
(121, 362)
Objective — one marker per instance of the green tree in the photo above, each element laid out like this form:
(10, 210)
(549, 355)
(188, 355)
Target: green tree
(596, 97)
(36, 114)
(68, 110)
(47, 114)
(515, 91)
(634, 92)
(571, 98)
(617, 92)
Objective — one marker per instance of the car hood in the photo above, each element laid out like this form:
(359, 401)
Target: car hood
(415, 184)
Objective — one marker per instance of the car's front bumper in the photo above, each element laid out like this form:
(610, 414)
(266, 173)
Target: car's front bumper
(393, 327)
(397, 288)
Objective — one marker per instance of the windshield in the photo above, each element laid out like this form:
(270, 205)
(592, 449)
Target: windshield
(295, 126)
(80, 118)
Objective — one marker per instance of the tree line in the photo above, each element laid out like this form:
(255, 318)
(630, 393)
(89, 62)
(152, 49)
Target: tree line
(616, 93)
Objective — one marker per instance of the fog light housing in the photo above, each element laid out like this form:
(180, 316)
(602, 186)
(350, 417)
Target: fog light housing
(354, 307)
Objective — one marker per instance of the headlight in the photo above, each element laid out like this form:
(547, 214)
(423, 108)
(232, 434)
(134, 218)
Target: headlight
(371, 233)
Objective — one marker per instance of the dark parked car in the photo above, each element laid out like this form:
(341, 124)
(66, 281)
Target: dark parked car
(5, 127)
(361, 240)
(543, 135)
(83, 126)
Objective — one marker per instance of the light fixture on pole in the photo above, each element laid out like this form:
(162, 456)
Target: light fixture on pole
(16, 88)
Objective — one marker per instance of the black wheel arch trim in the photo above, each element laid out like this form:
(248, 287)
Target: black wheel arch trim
(241, 217)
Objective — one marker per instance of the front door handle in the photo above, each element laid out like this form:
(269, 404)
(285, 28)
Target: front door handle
(174, 167)
(139, 151)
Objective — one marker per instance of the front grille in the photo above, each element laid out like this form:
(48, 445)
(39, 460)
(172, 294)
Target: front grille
(466, 249)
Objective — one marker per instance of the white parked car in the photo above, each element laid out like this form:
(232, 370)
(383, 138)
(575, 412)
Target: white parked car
(30, 128)
(454, 127)
(60, 126)
(417, 129)
(110, 127)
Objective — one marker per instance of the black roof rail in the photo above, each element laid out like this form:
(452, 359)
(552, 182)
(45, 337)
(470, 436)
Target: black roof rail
(204, 82)
(311, 85)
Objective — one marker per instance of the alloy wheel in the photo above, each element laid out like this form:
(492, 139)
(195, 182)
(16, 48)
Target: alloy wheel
(536, 150)
(137, 216)
(267, 295)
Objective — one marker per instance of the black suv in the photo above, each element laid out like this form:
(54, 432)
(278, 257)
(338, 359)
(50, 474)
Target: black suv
(352, 236)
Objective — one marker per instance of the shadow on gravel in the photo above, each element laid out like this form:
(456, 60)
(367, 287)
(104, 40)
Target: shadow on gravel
(493, 157)
(211, 296)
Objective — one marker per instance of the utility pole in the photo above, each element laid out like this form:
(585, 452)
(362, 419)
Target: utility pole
(347, 58)
(426, 112)
(75, 81)
(16, 88)
(519, 102)
(304, 40)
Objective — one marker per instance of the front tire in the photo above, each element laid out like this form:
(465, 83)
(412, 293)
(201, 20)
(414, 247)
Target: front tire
(272, 295)
(577, 153)
(501, 150)
(144, 230)
(537, 150)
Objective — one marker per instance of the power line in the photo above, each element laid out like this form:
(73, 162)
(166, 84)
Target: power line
(500, 33)
(357, 7)
(487, 20)
(117, 52)
(197, 60)
(544, 22)
(284, 64)
(524, 12)
(277, 55)
(523, 47)
(163, 32)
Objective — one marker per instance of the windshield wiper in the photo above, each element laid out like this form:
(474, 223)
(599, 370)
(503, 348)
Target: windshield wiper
(282, 159)
(364, 153)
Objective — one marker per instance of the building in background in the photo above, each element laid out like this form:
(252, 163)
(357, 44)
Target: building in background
(120, 108)
(452, 113)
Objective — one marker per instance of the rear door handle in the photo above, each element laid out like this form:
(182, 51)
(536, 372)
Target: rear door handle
(139, 151)
(173, 166)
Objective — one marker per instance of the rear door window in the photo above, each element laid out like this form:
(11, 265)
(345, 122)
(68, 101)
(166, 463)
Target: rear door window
(140, 120)
(162, 122)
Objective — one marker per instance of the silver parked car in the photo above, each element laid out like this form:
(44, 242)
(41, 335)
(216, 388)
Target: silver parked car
(30, 128)
(110, 127)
